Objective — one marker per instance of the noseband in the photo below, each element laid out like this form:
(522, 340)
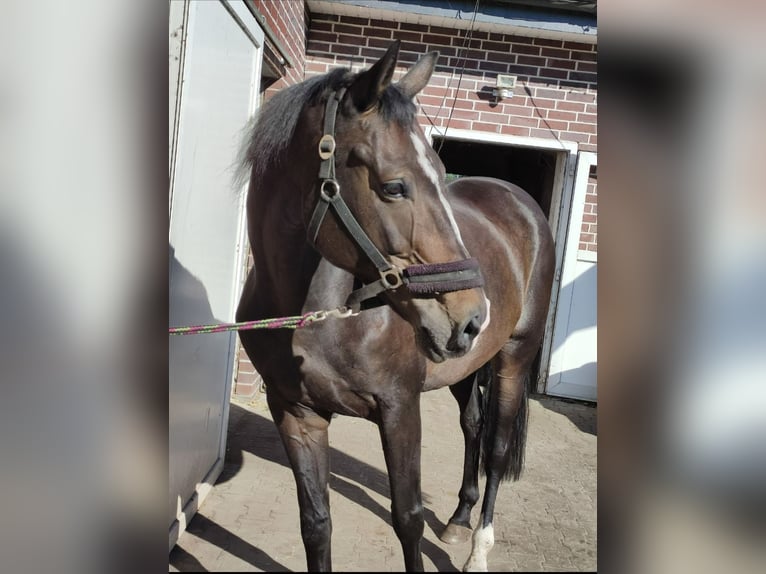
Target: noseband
(424, 279)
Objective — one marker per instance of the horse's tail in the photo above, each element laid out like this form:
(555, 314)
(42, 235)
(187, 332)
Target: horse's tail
(514, 458)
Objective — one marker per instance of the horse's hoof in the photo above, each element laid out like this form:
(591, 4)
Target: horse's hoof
(455, 534)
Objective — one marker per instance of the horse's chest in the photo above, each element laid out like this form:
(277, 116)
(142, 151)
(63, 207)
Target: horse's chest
(345, 369)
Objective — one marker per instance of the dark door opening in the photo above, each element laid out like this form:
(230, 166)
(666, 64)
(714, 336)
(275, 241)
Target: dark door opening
(532, 169)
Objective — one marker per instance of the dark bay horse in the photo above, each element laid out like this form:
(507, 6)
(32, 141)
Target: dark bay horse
(450, 286)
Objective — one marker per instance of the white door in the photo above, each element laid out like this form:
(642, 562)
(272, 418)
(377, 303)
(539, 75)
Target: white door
(572, 370)
(219, 85)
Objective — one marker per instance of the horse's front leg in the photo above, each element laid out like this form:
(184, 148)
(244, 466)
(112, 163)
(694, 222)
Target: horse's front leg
(400, 434)
(306, 442)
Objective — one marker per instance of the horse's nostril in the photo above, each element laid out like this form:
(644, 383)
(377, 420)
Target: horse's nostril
(472, 327)
(463, 336)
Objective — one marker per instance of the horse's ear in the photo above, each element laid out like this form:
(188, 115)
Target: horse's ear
(417, 77)
(370, 84)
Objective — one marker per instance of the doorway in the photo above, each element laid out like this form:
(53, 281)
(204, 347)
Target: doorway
(532, 169)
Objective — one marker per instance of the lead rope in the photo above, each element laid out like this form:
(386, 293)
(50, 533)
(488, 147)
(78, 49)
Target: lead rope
(294, 322)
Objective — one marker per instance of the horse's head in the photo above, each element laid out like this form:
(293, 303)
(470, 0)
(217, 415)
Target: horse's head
(392, 184)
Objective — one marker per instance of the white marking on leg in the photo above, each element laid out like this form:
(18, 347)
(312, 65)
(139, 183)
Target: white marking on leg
(482, 542)
(433, 175)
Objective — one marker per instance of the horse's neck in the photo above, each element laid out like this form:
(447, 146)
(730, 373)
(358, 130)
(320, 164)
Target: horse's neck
(285, 263)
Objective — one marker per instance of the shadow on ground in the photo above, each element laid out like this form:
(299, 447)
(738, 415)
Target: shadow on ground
(257, 434)
(582, 414)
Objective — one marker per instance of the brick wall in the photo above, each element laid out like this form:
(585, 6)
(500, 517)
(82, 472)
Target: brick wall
(588, 233)
(287, 20)
(555, 95)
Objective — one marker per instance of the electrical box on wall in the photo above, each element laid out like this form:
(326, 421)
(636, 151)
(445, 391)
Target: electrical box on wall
(504, 85)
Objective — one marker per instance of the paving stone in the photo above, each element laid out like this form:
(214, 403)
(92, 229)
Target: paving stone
(544, 522)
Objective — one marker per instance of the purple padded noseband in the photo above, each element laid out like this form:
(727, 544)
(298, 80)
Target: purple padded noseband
(432, 278)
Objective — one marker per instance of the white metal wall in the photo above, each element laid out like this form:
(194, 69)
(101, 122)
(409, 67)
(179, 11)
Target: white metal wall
(217, 83)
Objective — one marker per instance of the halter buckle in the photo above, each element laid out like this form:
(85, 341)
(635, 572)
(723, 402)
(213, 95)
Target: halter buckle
(326, 146)
(391, 278)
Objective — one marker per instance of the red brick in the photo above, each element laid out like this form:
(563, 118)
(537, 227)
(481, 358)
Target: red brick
(321, 25)
(354, 20)
(409, 36)
(496, 46)
(555, 53)
(414, 27)
(583, 77)
(531, 50)
(492, 128)
(580, 46)
(522, 121)
(347, 50)
(554, 125)
(587, 66)
(531, 60)
(552, 73)
(543, 103)
(540, 133)
(346, 29)
(461, 114)
(584, 128)
(384, 24)
(550, 94)
(313, 46)
(349, 39)
(520, 39)
(587, 97)
(514, 130)
(587, 118)
(498, 67)
(378, 33)
(570, 106)
(460, 124)
(509, 109)
(378, 43)
(441, 30)
(586, 56)
(559, 115)
(591, 109)
(547, 42)
(558, 63)
(575, 137)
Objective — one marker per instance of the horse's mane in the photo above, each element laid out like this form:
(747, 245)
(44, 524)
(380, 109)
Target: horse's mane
(269, 132)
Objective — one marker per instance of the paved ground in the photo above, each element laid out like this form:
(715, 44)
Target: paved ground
(544, 522)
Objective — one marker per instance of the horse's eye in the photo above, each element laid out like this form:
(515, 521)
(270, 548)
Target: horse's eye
(394, 189)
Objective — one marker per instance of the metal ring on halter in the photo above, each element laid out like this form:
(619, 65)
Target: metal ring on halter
(323, 193)
(391, 278)
(326, 146)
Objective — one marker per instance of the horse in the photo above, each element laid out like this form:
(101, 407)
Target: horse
(347, 209)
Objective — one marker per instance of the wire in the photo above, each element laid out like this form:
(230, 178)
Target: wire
(466, 40)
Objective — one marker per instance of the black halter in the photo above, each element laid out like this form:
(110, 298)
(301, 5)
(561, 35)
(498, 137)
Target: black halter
(429, 278)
